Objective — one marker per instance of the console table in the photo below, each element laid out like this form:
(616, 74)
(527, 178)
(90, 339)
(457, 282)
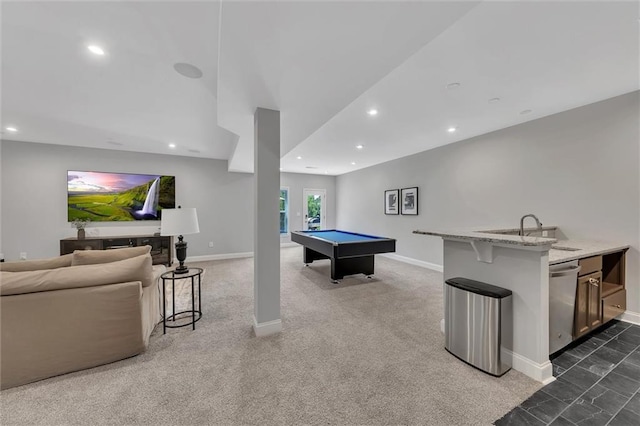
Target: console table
(161, 251)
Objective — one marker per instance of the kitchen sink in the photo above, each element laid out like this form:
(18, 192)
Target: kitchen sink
(564, 248)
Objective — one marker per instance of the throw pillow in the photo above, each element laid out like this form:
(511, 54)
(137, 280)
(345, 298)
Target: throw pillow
(37, 264)
(135, 269)
(92, 257)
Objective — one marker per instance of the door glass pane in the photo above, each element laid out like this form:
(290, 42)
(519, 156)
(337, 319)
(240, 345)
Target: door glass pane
(314, 210)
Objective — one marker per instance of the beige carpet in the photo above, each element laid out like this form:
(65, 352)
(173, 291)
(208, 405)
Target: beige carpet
(363, 352)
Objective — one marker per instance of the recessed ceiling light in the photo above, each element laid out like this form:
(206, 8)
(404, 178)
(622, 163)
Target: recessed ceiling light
(372, 112)
(451, 129)
(298, 158)
(525, 112)
(97, 50)
(280, 168)
(187, 70)
(172, 145)
(494, 100)
(326, 172)
(353, 163)
(360, 146)
(11, 129)
(453, 85)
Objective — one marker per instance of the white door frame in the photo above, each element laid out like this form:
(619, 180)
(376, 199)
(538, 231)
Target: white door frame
(323, 206)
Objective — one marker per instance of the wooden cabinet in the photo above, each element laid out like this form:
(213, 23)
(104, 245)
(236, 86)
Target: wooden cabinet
(588, 313)
(161, 247)
(600, 291)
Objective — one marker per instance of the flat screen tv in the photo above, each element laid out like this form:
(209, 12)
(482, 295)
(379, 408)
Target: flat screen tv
(109, 197)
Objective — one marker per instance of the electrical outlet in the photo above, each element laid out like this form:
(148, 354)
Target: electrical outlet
(211, 244)
(23, 255)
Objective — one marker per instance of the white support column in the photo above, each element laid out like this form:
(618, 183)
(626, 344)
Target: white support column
(266, 241)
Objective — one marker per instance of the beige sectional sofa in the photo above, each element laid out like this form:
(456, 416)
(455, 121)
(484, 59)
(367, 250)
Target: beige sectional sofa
(75, 312)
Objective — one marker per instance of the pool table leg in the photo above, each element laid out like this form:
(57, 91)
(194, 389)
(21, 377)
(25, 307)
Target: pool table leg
(310, 255)
(351, 266)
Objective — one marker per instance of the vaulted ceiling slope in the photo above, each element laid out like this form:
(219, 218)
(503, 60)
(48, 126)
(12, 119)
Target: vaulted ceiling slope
(55, 91)
(322, 64)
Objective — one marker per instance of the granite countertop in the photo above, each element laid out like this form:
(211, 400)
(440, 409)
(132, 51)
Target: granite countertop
(491, 238)
(516, 230)
(585, 248)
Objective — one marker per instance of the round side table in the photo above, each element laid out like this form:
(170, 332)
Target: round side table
(196, 314)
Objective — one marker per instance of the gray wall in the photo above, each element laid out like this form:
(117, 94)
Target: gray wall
(34, 198)
(297, 182)
(578, 170)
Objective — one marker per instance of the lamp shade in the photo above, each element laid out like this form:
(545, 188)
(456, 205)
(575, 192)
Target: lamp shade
(179, 222)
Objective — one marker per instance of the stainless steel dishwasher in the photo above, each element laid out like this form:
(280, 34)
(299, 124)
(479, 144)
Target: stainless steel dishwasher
(563, 279)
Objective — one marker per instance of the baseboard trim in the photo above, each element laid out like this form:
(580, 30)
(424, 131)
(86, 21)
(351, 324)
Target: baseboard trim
(541, 372)
(223, 256)
(411, 261)
(632, 317)
(267, 328)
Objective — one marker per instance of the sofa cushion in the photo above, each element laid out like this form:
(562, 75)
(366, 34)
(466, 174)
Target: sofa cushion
(135, 269)
(37, 264)
(92, 257)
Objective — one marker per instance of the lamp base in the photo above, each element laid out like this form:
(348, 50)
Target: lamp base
(181, 254)
(182, 269)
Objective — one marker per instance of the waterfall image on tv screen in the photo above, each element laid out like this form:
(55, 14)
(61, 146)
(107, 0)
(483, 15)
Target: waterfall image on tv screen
(108, 197)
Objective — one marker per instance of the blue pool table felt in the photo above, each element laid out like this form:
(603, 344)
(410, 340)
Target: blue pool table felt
(341, 236)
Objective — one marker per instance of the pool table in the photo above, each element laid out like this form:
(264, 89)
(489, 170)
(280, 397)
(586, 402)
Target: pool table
(350, 253)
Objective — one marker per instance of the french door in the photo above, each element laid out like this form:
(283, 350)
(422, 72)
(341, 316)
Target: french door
(314, 207)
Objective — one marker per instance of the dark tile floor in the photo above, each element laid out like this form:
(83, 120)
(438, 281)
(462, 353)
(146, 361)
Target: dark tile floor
(597, 383)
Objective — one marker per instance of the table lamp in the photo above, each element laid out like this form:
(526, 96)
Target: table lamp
(179, 222)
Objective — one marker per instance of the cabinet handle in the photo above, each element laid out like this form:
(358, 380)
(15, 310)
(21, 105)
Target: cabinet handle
(594, 282)
(618, 306)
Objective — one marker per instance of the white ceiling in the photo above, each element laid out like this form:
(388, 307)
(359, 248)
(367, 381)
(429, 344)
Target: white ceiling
(322, 64)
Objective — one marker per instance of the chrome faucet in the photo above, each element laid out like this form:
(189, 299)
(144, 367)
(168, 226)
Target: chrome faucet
(538, 223)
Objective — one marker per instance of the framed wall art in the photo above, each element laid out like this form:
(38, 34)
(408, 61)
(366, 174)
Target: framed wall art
(409, 201)
(391, 201)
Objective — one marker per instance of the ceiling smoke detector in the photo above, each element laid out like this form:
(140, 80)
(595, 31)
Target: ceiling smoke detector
(187, 70)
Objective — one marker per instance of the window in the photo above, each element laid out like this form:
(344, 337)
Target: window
(284, 210)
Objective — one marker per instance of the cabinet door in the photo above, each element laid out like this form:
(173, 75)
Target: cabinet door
(581, 323)
(595, 307)
(588, 310)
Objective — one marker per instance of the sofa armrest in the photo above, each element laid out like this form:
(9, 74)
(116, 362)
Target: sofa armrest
(49, 333)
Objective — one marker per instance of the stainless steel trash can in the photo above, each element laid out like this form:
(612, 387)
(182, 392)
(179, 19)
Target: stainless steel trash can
(478, 325)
